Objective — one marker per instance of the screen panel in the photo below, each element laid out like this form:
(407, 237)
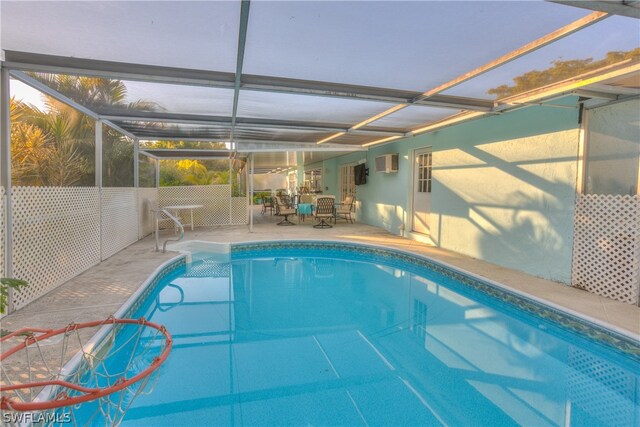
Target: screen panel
(107, 96)
(186, 34)
(413, 116)
(395, 44)
(318, 109)
(280, 135)
(593, 47)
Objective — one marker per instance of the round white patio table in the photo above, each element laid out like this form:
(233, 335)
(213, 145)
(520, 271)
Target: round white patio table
(177, 208)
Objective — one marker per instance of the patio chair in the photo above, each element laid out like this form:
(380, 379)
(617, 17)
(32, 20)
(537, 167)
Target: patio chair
(344, 209)
(324, 211)
(286, 200)
(267, 204)
(307, 198)
(283, 210)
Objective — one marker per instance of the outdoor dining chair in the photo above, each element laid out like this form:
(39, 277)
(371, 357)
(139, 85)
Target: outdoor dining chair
(344, 209)
(324, 211)
(267, 205)
(283, 210)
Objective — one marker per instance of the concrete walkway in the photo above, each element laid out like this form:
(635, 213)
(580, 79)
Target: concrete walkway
(101, 290)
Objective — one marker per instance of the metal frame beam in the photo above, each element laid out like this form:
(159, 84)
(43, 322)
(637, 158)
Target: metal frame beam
(98, 153)
(5, 177)
(26, 61)
(136, 163)
(623, 7)
(257, 146)
(119, 115)
(242, 40)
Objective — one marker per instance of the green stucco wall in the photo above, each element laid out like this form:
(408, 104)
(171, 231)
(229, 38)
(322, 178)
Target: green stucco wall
(503, 188)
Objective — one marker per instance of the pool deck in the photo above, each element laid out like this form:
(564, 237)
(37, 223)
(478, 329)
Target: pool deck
(101, 290)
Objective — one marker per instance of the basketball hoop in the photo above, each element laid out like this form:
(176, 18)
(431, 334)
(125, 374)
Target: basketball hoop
(109, 370)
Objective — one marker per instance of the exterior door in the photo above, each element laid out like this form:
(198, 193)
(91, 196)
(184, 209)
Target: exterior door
(347, 182)
(421, 190)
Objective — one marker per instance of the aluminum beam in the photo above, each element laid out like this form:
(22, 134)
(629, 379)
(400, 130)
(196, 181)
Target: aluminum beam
(27, 61)
(98, 153)
(257, 146)
(251, 195)
(119, 115)
(5, 177)
(242, 41)
(623, 7)
(136, 163)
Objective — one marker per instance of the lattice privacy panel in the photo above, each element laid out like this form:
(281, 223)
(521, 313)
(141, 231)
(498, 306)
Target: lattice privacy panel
(602, 389)
(56, 236)
(216, 200)
(239, 210)
(606, 247)
(119, 219)
(147, 200)
(2, 228)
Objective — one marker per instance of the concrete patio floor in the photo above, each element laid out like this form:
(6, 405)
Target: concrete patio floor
(101, 290)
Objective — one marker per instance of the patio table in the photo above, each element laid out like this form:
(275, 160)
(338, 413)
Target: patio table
(305, 209)
(177, 208)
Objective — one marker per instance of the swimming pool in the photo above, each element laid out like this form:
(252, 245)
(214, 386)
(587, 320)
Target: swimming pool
(310, 333)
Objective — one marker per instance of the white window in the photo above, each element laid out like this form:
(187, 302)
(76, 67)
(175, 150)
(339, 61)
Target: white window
(313, 180)
(424, 173)
(347, 182)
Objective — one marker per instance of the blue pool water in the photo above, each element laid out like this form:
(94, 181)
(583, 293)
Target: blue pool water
(317, 337)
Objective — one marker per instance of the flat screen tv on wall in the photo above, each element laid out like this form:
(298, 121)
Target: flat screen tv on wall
(360, 174)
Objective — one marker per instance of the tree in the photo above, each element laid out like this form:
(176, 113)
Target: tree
(45, 148)
(560, 70)
(57, 146)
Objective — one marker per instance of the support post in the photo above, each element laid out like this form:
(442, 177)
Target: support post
(157, 173)
(136, 182)
(98, 153)
(136, 163)
(98, 171)
(230, 191)
(251, 198)
(5, 177)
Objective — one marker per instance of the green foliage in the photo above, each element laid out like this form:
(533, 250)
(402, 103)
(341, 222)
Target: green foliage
(198, 172)
(56, 147)
(194, 145)
(560, 70)
(117, 159)
(5, 285)
(47, 147)
(259, 197)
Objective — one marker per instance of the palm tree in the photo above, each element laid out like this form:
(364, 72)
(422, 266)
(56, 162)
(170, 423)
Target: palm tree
(44, 148)
(56, 146)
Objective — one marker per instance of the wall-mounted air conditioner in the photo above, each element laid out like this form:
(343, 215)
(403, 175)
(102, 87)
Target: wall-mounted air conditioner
(387, 163)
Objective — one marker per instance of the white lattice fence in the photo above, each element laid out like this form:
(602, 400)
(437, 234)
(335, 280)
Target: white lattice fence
(216, 200)
(147, 199)
(119, 219)
(606, 248)
(56, 236)
(2, 227)
(239, 210)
